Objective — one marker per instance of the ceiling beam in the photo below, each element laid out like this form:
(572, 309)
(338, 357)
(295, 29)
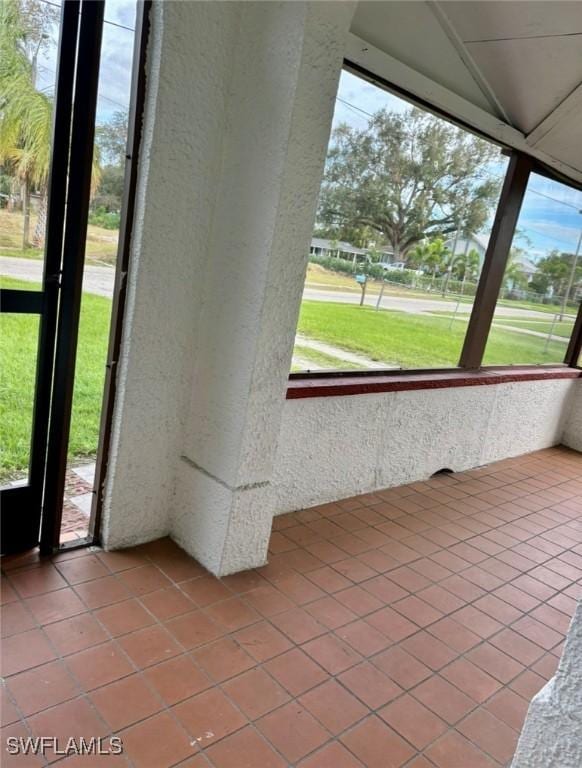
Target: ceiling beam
(461, 49)
(572, 103)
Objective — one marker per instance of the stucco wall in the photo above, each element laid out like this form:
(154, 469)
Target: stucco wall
(572, 436)
(334, 447)
(552, 732)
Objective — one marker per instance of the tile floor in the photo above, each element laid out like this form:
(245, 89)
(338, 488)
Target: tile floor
(409, 627)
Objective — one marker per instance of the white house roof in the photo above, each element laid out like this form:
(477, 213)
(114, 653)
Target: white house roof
(337, 245)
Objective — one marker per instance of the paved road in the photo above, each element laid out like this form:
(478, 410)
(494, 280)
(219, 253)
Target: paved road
(99, 280)
(414, 305)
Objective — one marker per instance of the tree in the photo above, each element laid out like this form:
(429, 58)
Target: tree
(407, 176)
(111, 137)
(25, 113)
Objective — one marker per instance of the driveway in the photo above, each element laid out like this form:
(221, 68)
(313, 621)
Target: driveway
(97, 280)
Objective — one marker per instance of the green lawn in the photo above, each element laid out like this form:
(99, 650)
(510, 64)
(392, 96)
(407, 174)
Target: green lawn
(18, 349)
(413, 341)
(563, 329)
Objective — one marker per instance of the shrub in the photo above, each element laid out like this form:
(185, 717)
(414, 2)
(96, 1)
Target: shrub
(101, 217)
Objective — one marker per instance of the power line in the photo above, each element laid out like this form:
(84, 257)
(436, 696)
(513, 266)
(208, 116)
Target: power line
(105, 21)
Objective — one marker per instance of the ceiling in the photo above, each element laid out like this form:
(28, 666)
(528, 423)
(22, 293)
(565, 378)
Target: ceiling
(518, 60)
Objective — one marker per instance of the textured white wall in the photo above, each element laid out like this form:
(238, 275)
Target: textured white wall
(240, 101)
(572, 436)
(552, 733)
(333, 447)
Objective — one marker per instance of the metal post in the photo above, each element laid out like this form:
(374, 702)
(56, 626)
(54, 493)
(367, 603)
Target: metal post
(506, 216)
(572, 276)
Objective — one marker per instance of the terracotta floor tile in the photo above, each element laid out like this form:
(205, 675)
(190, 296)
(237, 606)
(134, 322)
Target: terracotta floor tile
(295, 671)
(82, 569)
(14, 618)
(101, 592)
(334, 707)
(476, 621)
(495, 662)
(299, 589)
(121, 560)
(363, 637)
(392, 624)
(255, 693)
(518, 647)
(490, 734)
(177, 679)
(332, 654)
(429, 650)
(377, 745)
(121, 618)
(25, 650)
(73, 718)
(527, 684)
(262, 641)
(245, 749)
(552, 618)
(206, 590)
(76, 634)
(401, 667)
(538, 633)
(333, 755)
(158, 742)
(354, 570)
(330, 612)
(455, 635)
(223, 659)
(370, 685)
(140, 581)
(471, 680)
(55, 606)
(149, 646)
(498, 609)
(509, 707)
(441, 599)
(462, 588)
(37, 581)
(43, 687)
(126, 701)
(194, 629)
(18, 730)
(417, 610)
(328, 579)
(445, 700)
(413, 721)
(298, 625)
(232, 614)
(167, 603)
(268, 601)
(293, 731)
(8, 712)
(209, 716)
(358, 600)
(454, 751)
(384, 589)
(99, 665)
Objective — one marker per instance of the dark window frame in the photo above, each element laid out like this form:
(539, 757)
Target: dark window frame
(519, 169)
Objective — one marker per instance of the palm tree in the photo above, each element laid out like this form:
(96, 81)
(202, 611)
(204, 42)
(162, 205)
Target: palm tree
(25, 112)
(467, 266)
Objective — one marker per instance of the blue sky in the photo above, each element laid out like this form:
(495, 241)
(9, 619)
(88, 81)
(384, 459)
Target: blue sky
(116, 59)
(550, 216)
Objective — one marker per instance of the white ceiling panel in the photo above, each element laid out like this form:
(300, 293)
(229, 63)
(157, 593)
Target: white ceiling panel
(498, 20)
(564, 142)
(530, 77)
(410, 32)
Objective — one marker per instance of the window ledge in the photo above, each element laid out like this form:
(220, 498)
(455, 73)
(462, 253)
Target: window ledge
(340, 386)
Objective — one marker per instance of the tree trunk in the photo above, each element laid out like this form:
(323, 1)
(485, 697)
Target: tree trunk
(25, 192)
(40, 228)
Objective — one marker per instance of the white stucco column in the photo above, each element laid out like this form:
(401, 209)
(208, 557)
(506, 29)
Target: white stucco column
(240, 98)
(552, 732)
(286, 66)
